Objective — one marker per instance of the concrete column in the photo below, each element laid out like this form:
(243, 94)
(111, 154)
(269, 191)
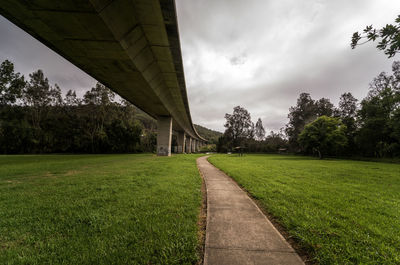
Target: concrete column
(194, 146)
(164, 136)
(181, 139)
(189, 145)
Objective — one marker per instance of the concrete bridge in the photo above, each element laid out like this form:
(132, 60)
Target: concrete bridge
(131, 46)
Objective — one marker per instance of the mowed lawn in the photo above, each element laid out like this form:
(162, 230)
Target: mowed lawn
(342, 211)
(99, 209)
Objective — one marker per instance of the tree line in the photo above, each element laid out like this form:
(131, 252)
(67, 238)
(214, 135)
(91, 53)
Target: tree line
(241, 132)
(36, 118)
(369, 128)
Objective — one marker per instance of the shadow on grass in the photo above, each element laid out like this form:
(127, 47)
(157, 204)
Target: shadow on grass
(281, 157)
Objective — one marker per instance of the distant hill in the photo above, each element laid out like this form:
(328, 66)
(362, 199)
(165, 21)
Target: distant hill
(211, 135)
(151, 124)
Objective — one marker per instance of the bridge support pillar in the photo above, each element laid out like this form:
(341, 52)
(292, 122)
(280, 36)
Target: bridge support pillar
(189, 145)
(194, 146)
(164, 136)
(181, 139)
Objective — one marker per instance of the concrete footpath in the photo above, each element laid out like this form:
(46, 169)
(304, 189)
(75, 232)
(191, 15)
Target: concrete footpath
(237, 231)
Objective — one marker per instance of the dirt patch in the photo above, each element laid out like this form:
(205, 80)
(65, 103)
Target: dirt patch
(13, 181)
(202, 222)
(71, 172)
(47, 175)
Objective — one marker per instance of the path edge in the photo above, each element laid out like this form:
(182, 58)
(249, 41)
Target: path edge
(301, 251)
(202, 218)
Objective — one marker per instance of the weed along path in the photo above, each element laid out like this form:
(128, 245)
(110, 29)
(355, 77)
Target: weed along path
(237, 231)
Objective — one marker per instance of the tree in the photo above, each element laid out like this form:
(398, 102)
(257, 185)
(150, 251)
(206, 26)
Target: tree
(323, 107)
(11, 83)
(377, 115)
(252, 132)
(97, 103)
(38, 94)
(301, 114)
(99, 95)
(347, 112)
(389, 37)
(224, 144)
(395, 124)
(259, 130)
(71, 99)
(325, 135)
(238, 125)
(347, 106)
(275, 141)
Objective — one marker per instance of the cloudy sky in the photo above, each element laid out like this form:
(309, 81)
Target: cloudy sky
(259, 54)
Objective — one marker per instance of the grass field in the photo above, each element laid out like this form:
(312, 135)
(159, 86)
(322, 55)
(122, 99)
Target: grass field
(99, 209)
(341, 211)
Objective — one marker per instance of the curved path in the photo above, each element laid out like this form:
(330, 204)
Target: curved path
(237, 231)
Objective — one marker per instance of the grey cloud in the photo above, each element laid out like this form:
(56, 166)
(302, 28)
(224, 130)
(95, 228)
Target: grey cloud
(259, 54)
(237, 60)
(294, 47)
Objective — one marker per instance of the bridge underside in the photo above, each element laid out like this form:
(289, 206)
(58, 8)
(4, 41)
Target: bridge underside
(131, 46)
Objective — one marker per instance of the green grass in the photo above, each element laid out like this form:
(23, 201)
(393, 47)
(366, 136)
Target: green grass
(99, 209)
(342, 211)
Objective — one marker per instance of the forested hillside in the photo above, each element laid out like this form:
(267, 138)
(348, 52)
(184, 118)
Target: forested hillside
(211, 135)
(35, 117)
